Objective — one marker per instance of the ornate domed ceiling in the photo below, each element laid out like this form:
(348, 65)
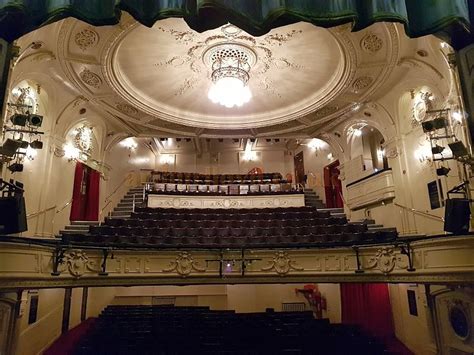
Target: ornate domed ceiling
(157, 78)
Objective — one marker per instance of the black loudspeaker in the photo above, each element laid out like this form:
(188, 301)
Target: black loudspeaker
(457, 216)
(12, 215)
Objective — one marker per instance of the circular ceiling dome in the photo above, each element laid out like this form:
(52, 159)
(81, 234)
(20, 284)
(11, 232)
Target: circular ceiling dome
(164, 71)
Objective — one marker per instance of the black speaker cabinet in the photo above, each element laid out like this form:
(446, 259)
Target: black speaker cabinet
(12, 215)
(457, 216)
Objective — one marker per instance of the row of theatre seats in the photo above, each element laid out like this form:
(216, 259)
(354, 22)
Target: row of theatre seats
(215, 190)
(218, 228)
(195, 178)
(198, 330)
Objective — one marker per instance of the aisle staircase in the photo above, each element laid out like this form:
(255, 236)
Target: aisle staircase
(123, 210)
(312, 199)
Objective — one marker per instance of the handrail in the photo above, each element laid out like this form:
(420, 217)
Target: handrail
(62, 208)
(127, 178)
(425, 214)
(34, 214)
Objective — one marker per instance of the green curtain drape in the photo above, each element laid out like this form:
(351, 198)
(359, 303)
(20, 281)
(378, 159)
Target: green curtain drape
(450, 19)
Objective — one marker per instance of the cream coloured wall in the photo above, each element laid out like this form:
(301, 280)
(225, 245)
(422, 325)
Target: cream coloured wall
(414, 331)
(241, 298)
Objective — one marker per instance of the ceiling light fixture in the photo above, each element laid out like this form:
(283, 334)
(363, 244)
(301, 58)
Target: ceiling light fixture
(230, 63)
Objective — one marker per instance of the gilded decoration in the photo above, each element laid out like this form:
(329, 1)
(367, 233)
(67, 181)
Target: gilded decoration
(184, 265)
(87, 38)
(282, 264)
(371, 43)
(385, 260)
(90, 78)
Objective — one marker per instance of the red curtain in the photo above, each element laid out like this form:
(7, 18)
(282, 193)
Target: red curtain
(368, 305)
(92, 208)
(76, 206)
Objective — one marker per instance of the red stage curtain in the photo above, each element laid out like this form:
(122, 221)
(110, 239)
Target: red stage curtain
(76, 206)
(368, 305)
(92, 209)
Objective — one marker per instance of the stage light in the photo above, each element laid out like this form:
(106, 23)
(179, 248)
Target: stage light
(15, 167)
(188, 139)
(277, 140)
(36, 144)
(442, 171)
(433, 125)
(35, 120)
(437, 149)
(178, 139)
(459, 149)
(19, 119)
(23, 144)
(10, 147)
(220, 140)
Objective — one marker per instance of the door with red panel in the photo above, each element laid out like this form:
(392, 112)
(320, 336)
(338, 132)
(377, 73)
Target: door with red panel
(333, 186)
(85, 195)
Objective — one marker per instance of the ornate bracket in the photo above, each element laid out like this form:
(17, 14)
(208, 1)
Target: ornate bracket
(58, 258)
(385, 260)
(359, 270)
(405, 249)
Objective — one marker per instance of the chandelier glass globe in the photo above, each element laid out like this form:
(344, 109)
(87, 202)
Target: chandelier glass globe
(229, 92)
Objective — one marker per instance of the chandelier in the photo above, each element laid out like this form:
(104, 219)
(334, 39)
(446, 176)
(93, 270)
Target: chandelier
(230, 64)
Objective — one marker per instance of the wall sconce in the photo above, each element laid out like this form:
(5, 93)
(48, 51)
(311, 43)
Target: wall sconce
(423, 154)
(249, 155)
(166, 159)
(380, 154)
(71, 152)
(129, 143)
(457, 117)
(330, 156)
(317, 144)
(31, 153)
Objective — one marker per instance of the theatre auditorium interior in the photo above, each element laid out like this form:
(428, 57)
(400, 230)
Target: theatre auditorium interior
(237, 177)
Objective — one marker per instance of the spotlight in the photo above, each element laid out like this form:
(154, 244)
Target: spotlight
(23, 144)
(442, 171)
(252, 140)
(433, 125)
(236, 140)
(15, 167)
(220, 140)
(268, 140)
(36, 144)
(19, 119)
(437, 149)
(458, 149)
(178, 139)
(277, 140)
(188, 139)
(10, 147)
(162, 139)
(35, 120)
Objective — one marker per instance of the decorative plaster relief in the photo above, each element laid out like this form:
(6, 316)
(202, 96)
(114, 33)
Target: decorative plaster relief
(87, 38)
(361, 83)
(77, 262)
(385, 260)
(371, 43)
(127, 109)
(282, 264)
(90, 78)
(184, 265)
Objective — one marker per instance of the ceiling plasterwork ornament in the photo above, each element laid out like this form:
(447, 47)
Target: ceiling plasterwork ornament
(282, 264)
(90, 78)
(87, 38)
(371, 43)
(422, 102)
(127, 109)
(362, 82)
(184, 264)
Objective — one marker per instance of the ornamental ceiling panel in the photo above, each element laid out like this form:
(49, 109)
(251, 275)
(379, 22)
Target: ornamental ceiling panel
(158, 78)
